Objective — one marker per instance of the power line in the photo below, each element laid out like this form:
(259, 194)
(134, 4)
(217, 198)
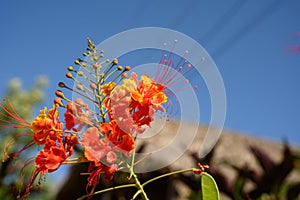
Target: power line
(224, 19)
(257, 19)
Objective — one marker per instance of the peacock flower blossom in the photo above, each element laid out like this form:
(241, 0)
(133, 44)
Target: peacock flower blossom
(108, 88)
(119, 140)
(124, 106)
(147, 98)
(95, 148)
(55, 153)
(50, 160)
(46, 124)
(95, 172)
(77, 114)
(145, 91)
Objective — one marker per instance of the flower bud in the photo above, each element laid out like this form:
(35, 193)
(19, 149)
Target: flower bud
(95, 58)
(115, 61)
(70, 107)
(70, 68)
(61, 84)
(127, 68)
(79, 87)
(77, 61)
(59, 93)
(120, 67)
(93, 86)
(80, 73)
(69, 75)
(95, 65)
(58, 101)
(124, 75)
(80, 102)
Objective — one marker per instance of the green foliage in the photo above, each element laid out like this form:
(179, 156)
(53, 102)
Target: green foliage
(23, 102)
(209, 187)
(272, 183)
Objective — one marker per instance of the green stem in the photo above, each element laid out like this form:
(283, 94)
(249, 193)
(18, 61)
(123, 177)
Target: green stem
(168, 174)
(132, 164)
(108, 189)
(138, 185)
(136, 194)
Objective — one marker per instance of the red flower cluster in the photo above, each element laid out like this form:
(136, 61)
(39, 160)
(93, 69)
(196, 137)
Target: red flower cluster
(130, 106)
(134, 103)
(58, 145)
(123, 112)
(77, 114)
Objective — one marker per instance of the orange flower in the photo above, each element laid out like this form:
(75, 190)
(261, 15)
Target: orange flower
(95, 172)
(49, 161)
(107, 88)
(147, 97)
(95, 149)
(118, 139)
(46, 124)
(146, 91)
(77, 115)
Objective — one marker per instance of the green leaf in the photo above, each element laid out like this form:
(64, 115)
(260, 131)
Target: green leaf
(209, 187)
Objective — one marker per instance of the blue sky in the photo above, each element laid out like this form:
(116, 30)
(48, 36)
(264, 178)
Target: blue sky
(246, 39)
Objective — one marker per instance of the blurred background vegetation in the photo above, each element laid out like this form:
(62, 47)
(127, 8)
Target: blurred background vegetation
(25, 102)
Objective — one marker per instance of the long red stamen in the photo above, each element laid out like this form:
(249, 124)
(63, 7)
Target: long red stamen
(30, 181)
(13, 120)
(15, 154)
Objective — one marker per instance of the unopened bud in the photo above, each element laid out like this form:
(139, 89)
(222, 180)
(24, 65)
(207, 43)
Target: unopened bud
(120, 67)
(124, 75)
(127, 68)
(70, 107)
(90, 43)
(93, 86)
(59, 93)
(95, 65)
(79, 87)
(61, 84)
(80, 73)
(58, 101)
(95, 58)
(77, 61)
(69, 75)
(80, 102)
(115, 61)
(70, 68)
